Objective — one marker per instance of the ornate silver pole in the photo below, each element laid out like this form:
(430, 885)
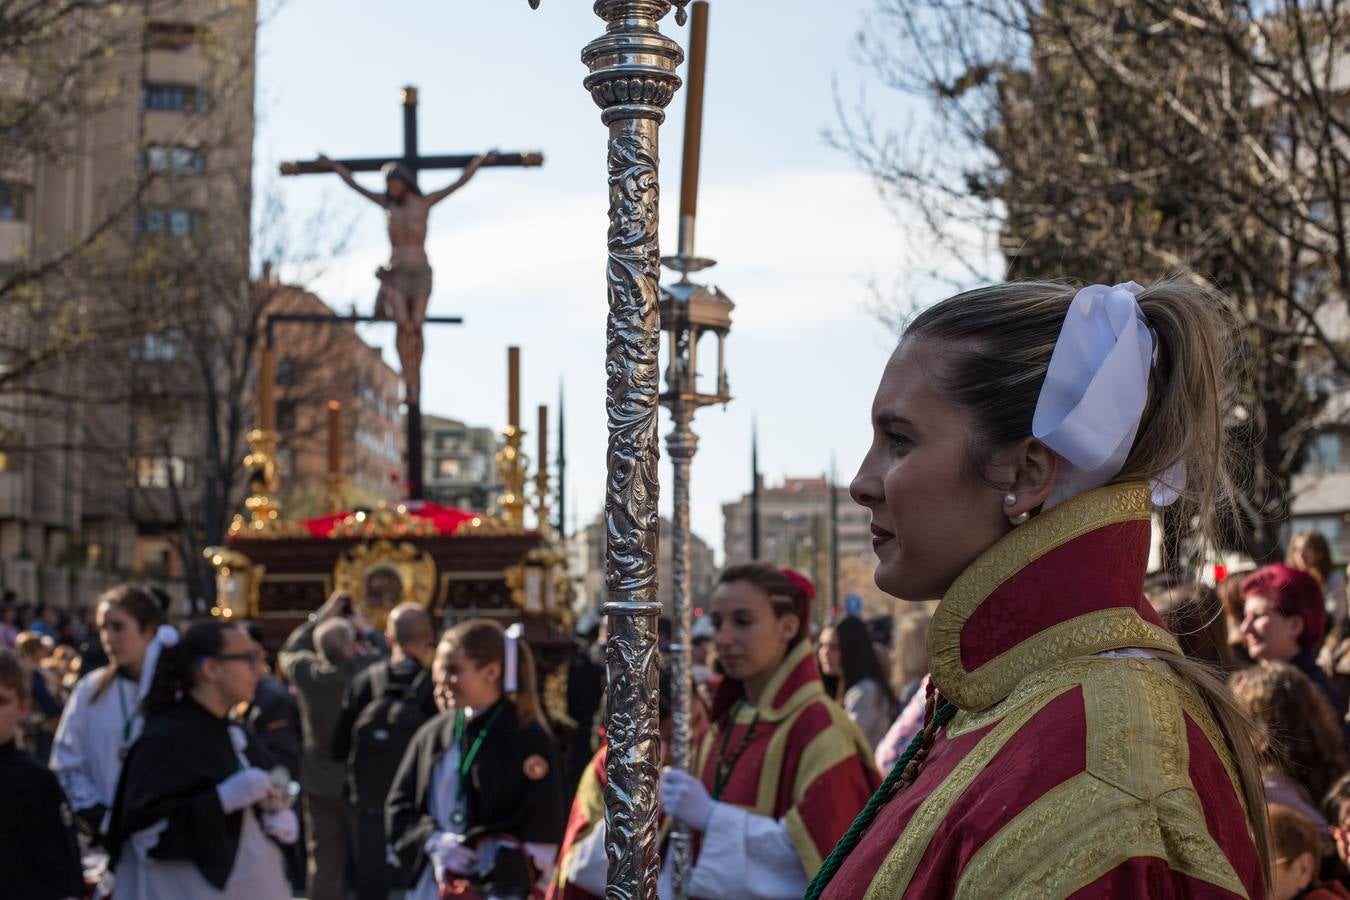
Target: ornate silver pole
(632, 78)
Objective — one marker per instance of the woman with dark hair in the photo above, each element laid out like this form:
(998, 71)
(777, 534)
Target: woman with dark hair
(782, 770)
(196, 814)
(854, 677)
(102, 716)
(1024, 436)
(1301, 751)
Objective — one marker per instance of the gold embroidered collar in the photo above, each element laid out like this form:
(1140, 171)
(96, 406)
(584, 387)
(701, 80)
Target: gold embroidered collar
(1068, 583)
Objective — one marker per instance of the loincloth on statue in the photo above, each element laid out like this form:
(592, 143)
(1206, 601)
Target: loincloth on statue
(412, 281)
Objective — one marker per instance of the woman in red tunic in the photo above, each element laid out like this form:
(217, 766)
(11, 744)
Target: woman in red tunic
(1024, 435)
(782, 771)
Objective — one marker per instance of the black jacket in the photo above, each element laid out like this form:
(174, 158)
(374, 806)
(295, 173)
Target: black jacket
(515, 787)
(39, 853)
(360, 693)
(171, 772)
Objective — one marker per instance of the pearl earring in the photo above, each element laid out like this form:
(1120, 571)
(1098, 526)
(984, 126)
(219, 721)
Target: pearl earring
(1019, 518)
(1009, 499)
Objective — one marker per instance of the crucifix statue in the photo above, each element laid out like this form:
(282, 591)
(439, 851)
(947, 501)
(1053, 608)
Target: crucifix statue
(405, 283)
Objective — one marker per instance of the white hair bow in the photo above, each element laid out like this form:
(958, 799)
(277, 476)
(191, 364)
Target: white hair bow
(1095, 391)
(165, 636)
(511, 669)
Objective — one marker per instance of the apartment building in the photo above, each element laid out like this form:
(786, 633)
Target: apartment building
(125, 189)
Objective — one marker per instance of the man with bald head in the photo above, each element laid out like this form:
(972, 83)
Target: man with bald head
(381, 709)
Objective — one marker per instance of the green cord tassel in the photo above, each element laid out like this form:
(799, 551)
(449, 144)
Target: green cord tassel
(841, 850)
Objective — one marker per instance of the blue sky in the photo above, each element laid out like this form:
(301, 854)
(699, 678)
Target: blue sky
(799, 233)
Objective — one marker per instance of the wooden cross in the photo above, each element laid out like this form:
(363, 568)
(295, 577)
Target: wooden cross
(411, 158)
(414, 162)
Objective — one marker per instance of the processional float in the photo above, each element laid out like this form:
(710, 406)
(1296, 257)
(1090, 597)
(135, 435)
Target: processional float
(632, 79)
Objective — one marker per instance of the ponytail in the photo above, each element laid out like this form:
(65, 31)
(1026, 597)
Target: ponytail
(175, 673)
(483, 641)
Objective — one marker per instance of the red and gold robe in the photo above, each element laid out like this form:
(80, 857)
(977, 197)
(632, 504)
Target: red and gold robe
(806, 763)
(588, 811)
(1067, 770)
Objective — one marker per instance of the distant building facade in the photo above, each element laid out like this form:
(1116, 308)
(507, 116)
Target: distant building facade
(316, 364)
(587, 561)
(91, 491)
(459, 463)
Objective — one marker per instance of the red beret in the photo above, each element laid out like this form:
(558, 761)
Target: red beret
(1295, 593)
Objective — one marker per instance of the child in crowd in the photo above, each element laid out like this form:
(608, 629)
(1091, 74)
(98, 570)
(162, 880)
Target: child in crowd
(39, 853)
(1298, 855)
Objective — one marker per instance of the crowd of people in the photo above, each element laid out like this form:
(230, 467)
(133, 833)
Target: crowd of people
(1044, 719)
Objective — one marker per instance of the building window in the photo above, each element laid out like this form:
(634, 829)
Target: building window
(174, 98)
(177, 222)
(159, 347)
(160, 471)
(13, 202)
(285, 372)
(174, 36)
(447, 468)
(172, 160)
(1324, 456)
(285, 416)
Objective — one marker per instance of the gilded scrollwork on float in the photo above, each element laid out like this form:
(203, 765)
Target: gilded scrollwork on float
(237, 583)
(384, 521)
(383, 574)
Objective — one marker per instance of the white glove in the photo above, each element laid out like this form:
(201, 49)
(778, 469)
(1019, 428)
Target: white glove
(283, 825)
(685, 798)
(243, 789)
(448, 854)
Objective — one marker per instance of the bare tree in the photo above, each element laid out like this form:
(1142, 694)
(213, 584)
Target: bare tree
(1131, 139)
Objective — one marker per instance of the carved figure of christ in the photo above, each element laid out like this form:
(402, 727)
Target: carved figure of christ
(405, 283)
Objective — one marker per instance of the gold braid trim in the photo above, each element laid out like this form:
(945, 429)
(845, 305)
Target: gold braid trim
(1081, 830)
(1094, 632)
(896, 870)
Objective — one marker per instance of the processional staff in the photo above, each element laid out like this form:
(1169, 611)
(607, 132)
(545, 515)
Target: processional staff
(632, 79)
(688, 312)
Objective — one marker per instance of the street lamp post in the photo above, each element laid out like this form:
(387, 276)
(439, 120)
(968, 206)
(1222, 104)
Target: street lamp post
(632, 79)
(689, 311)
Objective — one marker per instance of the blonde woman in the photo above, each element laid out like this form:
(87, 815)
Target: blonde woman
(1309, 551)
(1023, 436)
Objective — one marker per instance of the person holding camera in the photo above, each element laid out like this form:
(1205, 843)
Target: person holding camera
(319, 659)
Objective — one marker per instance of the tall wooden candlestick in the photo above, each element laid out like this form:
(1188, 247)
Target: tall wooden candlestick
(542, 459)
(334, 438)
(513, 386)
(267, 377)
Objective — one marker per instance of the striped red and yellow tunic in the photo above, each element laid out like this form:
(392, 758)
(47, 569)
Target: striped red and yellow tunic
(1078, 764)
(805, 762)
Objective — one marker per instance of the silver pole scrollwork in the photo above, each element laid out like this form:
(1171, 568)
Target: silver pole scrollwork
(632, 79)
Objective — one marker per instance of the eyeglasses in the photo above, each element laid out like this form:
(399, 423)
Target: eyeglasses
(252, 657)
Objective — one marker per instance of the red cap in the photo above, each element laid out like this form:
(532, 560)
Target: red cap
(1295, 593)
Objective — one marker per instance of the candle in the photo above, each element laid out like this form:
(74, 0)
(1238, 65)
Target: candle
(334, 437)
(513, 386)
(543, 438)
(267, 406)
